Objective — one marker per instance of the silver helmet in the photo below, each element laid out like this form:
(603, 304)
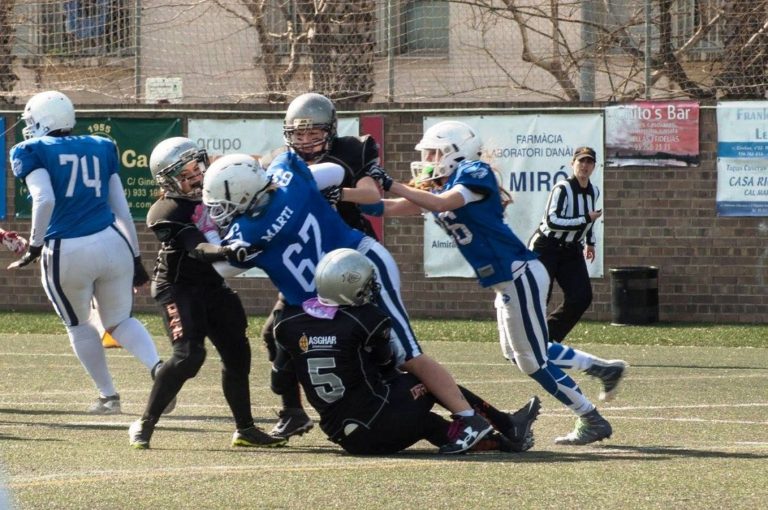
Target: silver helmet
(310, 111)
(345, 277)
(168, 160)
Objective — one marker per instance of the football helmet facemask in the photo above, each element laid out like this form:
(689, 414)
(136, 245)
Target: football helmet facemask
(233, 185)
(310, 111)
(345, 277)
(169, 159)
(46, 113)
(454, 142)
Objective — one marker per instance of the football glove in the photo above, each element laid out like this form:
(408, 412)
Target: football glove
(32, 254)
(332, 194)
(238, 251)
(13, 241)
(380, 175)
(140, 276)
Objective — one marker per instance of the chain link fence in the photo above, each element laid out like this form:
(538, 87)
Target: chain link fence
(379, 51)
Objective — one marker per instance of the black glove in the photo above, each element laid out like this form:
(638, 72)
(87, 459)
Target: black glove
(140, 276)
(332, 194)
(379, 175)
(238, 251)
(32, 254)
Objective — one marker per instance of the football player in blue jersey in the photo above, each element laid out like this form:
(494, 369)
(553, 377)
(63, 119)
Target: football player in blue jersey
(84, 236)
(279, 221)
(468, 205)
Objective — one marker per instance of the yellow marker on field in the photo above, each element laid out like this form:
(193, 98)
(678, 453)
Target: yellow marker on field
(109, 342)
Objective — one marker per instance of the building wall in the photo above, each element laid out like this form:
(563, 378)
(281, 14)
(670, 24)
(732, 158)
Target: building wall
(711, 269)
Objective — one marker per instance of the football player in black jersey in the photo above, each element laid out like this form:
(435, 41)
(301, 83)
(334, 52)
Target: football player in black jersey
(310, 130)
(194, 300)
(338, 345)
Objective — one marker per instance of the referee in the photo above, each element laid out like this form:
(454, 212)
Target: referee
(565, 241)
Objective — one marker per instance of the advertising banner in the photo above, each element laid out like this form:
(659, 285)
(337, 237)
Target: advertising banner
(649, 133)
(532, 153)
(742, 158)
(135, 139)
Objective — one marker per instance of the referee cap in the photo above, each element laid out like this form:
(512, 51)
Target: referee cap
(584, 152)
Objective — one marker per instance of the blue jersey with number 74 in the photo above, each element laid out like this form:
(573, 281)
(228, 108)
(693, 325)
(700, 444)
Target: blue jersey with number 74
(79, 168)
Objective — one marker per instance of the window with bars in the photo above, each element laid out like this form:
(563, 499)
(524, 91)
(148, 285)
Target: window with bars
(75, 28)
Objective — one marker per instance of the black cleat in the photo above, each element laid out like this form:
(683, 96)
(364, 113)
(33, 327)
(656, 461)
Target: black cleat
(465, 432)
(520, 434)
(610, 373)
(254, 436)
(139, 434)
(292, 422)
(590, 428)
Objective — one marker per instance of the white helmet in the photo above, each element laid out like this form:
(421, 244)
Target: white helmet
(169, 158)
(345, 277)
(233, 185)
(47, 112)
(455, 142)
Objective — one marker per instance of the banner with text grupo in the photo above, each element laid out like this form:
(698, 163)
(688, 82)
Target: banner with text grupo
(742, 158)
(532, 153)
(135, 139)
(258, 137)
(649, 133)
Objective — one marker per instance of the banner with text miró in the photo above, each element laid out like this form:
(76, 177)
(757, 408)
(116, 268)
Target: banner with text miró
(532, 153)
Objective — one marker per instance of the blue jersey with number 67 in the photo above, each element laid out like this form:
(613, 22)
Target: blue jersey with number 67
(79, 168)
(293, 231)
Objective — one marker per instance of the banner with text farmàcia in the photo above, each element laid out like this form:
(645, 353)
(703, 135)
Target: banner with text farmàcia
(135, 139)
(532, 153)
(742, 158)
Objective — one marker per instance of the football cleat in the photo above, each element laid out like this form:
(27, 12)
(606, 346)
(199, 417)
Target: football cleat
(254, 436)
(106, 405)
(139, 434)
(464, 433)
(292, 422)
(520, 433)
(610, 373)
(590, 428)
(494, 442)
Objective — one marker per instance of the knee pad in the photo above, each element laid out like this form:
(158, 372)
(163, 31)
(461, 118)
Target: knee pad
(527, 363)
(187, 360)
(283, 381)
(239, 366)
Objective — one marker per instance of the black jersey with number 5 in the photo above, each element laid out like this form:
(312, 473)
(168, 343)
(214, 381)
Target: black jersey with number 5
(335, 361)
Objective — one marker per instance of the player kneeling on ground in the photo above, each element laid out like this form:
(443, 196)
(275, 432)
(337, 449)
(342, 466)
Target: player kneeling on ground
(339, 346)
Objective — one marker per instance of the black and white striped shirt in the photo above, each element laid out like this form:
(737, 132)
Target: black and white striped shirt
(566, 218)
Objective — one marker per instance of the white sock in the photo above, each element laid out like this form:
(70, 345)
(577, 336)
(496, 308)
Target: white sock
(135, 338)
(86, 342)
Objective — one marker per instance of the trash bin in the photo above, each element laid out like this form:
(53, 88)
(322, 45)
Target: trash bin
(634, 295)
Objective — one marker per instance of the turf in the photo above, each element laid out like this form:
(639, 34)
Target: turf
(690, 431)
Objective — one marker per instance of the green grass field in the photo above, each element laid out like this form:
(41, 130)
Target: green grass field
(690, 432)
